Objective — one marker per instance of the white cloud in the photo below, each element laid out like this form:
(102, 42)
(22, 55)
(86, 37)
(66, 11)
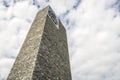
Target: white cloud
(95, 41)
(5, 65)
(93, 35)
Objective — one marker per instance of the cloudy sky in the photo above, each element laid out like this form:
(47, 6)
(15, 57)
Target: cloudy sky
(93, 30)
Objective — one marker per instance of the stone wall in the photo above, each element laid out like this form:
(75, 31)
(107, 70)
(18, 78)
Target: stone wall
(44, 53)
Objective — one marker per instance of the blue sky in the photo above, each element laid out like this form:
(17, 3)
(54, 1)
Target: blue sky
(93, 31)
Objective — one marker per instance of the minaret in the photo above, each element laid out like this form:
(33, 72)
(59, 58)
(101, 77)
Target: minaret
(44, 53)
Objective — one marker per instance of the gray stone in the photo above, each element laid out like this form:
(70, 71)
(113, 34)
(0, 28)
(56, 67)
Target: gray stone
(44, 53)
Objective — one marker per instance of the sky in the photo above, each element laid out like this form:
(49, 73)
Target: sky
(93, 32)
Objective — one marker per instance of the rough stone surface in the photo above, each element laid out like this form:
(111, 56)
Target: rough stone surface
(44, 53)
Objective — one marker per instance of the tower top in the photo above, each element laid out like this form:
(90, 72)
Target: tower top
(52, 16)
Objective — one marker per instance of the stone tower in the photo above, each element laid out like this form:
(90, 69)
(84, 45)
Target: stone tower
(44, 53)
